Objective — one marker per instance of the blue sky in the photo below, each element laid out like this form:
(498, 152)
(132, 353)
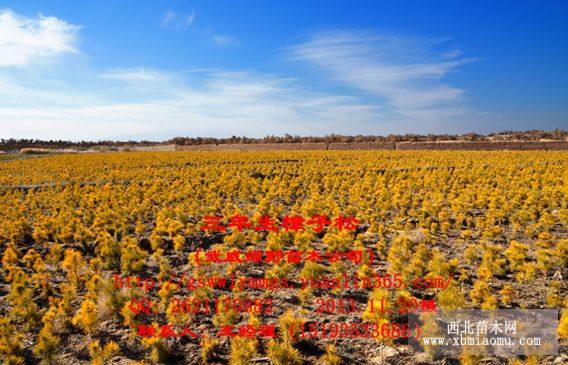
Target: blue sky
(158, 69)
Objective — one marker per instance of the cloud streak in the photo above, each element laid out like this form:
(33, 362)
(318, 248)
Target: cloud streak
(177, 21)
(135, 75)
(224, 40)
(405, 73)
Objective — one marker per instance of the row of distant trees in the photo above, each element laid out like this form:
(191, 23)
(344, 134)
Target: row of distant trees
(14, 144)
(532, 135)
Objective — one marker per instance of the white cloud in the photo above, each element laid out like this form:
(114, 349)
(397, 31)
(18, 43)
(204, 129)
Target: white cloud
(226, 103)
(404, 72)
(178, 21)
(23, 39)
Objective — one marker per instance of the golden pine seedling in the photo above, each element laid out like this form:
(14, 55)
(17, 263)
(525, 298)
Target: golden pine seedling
(86, 317)
(100, 355)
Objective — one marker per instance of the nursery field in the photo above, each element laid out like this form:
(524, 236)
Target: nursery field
(242, 257)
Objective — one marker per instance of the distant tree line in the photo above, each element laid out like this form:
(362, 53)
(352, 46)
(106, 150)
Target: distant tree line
(532, 135)
(13, 144)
